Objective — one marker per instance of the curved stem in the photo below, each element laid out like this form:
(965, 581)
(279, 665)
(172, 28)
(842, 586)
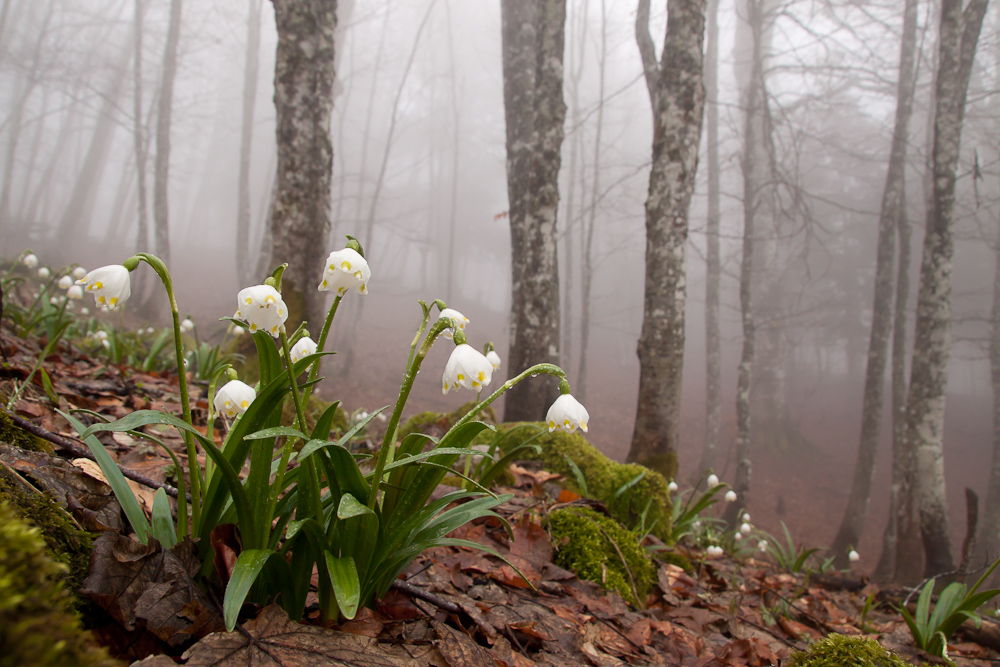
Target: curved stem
(547, 369)
(404, 391)
(320, 346)
(286, 451)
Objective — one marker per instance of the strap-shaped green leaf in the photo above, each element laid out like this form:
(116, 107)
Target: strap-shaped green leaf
(346, 585)
(163, 521)
(274, 432)
(248, 567)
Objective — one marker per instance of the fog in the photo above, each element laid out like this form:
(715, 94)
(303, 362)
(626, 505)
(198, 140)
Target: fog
(427, 137)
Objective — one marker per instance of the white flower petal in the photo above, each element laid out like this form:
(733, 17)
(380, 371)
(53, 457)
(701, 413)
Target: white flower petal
(567, 414)
(345, 270)
(110, 285)
(234, 398)
(262, 307)
(467, 367)
(65, 282)
(30, 260)
(494, 359)
(303, 348)
(461, 319)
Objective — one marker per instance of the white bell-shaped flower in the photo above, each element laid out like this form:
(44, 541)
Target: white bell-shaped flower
(262, 307)
(65, 282)
(467, 367)
(302, 349)
(110, 285)
(713, 480)
(672, 486)
(75, 292)
(745, 528)
(567, 414)
(730, 496)
(234, 398)
(762, 546)
(345, 270)
(30, 260)
(494, 359)
(853, 556)
(187, 325)
(44, 273)
(79, 272)
(459, 318)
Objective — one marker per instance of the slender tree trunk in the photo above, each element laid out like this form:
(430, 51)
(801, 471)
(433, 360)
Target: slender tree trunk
(990, 527)
(138, 131)
(456, 138)
(926, 402)
(303, 99)
(713, 264)
(852, 524)
(533, 36)
(244, 261)
(677, 94)
(161, 212)
(587, 260)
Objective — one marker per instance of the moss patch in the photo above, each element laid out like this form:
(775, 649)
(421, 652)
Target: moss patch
(12, 434)
(582, 539)
(36, 626)
(846, 651)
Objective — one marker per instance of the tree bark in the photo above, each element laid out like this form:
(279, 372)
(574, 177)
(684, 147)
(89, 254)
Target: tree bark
(533, 36)
(990, 540)
(713, 264)
(244, 261)
(853, 522)
(959, 35)
(303, 100)
(138, 134)
(161, 176)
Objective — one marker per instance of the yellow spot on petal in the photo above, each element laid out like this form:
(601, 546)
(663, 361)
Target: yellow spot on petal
(324, 282)
(98, 285)
(244, 404)
(345, 265)
(114, 300)
(583, 425)
(253, 326)
(100, 300)
(482, 376)
(269, 299)
(552, 424)
(357, 274)
(332, 268)
(229, 404)
(461, 378)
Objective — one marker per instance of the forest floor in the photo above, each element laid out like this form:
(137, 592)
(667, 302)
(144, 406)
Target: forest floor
(463, 607)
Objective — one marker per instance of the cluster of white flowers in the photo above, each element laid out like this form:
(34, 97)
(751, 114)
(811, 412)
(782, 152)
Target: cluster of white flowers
(714, 551)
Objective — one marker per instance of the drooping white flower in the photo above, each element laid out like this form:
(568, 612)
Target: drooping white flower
(303, 348)
(234, 398)
(714, 551)
(493, 358)
(345, 270)
(54, 300)
(44, 273)
(106, 343)
(738, 536)
(75, 292)
(79, 272)
(672, 487)
(853, 556)
(262, 308)
(30, 260)
(65, 282)
(110, 285)
(459, 318)
(187, 325)
(745, 528)
(84, 310)
(467, 367)
(101, 334)
(713, 480)
(567, 414)
(762, 546)
(730, 496)
(150, 330)
(746, 517)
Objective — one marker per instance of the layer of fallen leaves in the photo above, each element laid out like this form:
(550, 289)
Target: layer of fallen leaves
(722, 613)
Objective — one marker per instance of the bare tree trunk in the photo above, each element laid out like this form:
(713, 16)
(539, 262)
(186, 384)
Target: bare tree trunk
(713, 265)
(990, 530)
(303, 99)
(161, 212)
(677, 94)
(851, 526)
(244, 261)
(456, 138)
(925, 406)
(533, 35)
(587, 259)
(139, 141)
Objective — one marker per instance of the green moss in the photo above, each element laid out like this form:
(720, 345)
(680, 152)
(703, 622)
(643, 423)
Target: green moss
(12, 434)
(583, 540)
(846, 651)
(36, 627)
(67, 544)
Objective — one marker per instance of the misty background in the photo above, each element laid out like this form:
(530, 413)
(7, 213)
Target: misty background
(419, 158)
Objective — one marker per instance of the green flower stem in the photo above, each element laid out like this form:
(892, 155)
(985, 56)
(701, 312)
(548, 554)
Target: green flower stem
(547, 369)
(412, 369)
(320, 346)
(194, 471)
(420, 332)
(286, 451)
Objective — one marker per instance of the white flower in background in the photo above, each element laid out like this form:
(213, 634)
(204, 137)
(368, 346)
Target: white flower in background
(714, 551)
(238, 331)
(140, 331)
(467, 367)
(30, 260)
(459, 318)
(84, 310)
(79, 272)
(234, 398)
(110, 285)
(738, 536)
(345, 270)
(730, 496)
(150, 330)
(303, 348)
(745, 528)
(493, 358)
(762, 546)
(54, 300)
(746, 517)
(672, 487)
(713, 480)
(106, 343)
(853, 556)
(187, 325)
(696, 524)
(65, 282)
(567, 414)
(44, 273)
(262, 308)
(101, 334)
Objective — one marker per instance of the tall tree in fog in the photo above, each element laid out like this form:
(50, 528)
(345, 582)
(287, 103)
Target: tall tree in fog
(677, 95)
(164, 113)
(757, 168)
(138, 130)
(990, 531)
(959, 35)
(713, 265)
(893, 201)
(303, 100)
(245, 263)
(533, 35)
